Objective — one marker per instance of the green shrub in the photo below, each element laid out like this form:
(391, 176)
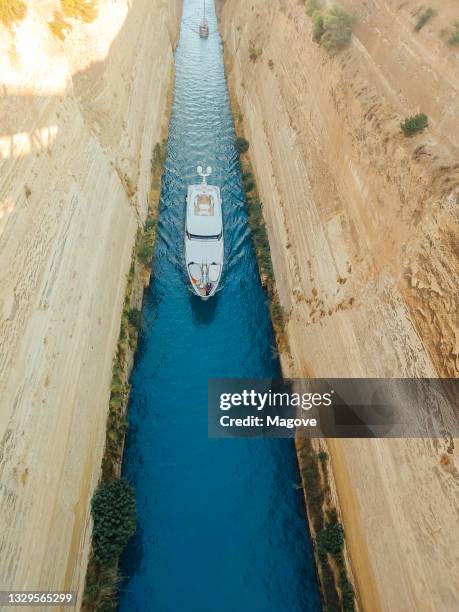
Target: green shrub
(83, 10)
(277, 312)
(260, 237)
(317, 27)
(114, 514)
(12, 11)
(322, 456)
(347, 593)
(331, 539)
(242, 145)
(414, 124)
(115, 430)
(135, 317)
(453, 40)
(144, 254)
(249, 184)
(101, 590)
(117, 386)
(255, 53)
(337, 29)
(312, 484)
(424, 18)
(332, 601)
(332, 516)
(151, 224)
(312, 6)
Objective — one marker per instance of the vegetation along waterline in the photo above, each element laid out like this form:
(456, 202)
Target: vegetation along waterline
(332, 561)
(258, 227)
(360, 213)
(328, 210)
(236, 490)
(337, 584)
(113, 505)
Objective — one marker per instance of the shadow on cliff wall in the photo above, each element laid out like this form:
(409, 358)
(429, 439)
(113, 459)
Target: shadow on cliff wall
(27, 114)
(35, 125)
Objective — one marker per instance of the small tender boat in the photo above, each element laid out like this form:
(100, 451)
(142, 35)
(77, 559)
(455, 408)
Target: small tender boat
(204, 25)
(204, 236)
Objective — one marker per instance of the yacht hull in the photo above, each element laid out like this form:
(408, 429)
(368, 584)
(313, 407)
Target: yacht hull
(204, 245)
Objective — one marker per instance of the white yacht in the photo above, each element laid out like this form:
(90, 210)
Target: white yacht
(204, 236)
(204, 25)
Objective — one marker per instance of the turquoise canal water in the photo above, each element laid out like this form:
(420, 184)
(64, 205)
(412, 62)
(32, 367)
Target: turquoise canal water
(221, 525)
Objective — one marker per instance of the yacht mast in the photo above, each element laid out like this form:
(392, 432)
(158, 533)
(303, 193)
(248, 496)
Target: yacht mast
(204, 174)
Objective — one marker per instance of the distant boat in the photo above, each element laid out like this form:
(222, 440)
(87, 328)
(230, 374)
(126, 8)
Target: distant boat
(204, 236)
(204, 25)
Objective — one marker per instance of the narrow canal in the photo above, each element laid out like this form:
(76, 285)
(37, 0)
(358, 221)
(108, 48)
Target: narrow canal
(221, 522)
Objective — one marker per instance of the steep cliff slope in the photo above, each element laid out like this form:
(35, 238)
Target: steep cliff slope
(363, 230)
(79, 120)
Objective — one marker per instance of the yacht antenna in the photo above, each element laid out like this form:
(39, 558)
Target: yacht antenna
(205, 174)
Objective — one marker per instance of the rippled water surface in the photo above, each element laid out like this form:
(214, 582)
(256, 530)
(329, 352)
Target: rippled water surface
(221, 522)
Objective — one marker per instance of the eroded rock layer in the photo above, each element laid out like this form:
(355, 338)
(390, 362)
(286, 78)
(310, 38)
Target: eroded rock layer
(363, 230)
(79, 121)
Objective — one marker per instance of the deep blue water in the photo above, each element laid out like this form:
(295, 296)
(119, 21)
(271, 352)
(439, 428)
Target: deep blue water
(221, 522)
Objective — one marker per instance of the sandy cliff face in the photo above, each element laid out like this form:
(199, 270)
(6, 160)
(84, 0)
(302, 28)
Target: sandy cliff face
(363, 229)
(78, 123)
